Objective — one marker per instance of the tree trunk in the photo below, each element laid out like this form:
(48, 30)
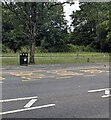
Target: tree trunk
(33, 34)
(32, 52)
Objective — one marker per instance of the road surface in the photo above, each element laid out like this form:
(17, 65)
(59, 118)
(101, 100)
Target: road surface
(55, 91)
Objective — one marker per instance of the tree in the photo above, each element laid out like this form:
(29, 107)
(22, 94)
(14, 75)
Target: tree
(91, 25)
(11, 31)
(30, 19)
(54, 34)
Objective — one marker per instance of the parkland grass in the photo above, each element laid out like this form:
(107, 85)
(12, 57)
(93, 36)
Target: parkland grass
(58, 58)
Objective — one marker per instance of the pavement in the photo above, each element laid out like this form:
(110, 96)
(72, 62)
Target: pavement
(55, 91)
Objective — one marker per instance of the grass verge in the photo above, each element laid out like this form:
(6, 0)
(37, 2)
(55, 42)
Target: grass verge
(58, 58)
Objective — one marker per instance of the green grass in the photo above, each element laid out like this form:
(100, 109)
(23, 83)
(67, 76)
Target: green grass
(58, 58)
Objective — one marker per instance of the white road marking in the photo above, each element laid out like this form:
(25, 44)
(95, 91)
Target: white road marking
(26, 109)
(107, 92)
(30, 103)
(16, 99)
(105, 96)
(99, 90)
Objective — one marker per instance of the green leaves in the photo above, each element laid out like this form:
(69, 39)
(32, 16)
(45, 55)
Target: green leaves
(91, 25)
(34, 22)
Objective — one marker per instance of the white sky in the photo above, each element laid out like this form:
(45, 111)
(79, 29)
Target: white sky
(68, 10)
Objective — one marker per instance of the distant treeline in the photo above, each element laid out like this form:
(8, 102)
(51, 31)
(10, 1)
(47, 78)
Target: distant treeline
(92, 31)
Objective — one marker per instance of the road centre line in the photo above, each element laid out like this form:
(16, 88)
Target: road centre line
(30, 103)
(17, 99)
(99, 90)
(26, 109)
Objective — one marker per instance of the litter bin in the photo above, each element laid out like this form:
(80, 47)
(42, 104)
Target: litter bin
(24, 58)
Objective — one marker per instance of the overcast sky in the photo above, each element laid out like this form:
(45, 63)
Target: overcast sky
(68, 10)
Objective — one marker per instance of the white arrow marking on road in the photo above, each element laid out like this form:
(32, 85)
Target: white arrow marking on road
(27, 109)
(31, 102)
(17, 99)
(107, 92)
(105, 96)
(99, 90)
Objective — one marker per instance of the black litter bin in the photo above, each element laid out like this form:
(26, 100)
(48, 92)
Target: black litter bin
(24, 58)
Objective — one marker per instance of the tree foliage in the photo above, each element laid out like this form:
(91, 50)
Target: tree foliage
(33, 23)
(91, 26)
(42, 24)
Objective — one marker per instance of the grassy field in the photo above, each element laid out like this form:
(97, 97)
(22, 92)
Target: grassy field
(58, 58)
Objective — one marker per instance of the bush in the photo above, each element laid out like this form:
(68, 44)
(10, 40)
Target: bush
(88, 48)
(76, 48)
(5, 49)
(25, 49)
(73, 48)
(40, 50)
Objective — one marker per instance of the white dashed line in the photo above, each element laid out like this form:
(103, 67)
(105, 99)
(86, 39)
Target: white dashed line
(30, 103)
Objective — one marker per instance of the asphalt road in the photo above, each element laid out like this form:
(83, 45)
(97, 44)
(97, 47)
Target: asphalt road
(60, 91)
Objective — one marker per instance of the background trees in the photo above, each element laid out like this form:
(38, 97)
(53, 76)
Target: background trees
(55, 30)
(33, 23)
(42, 24)
(91, 26)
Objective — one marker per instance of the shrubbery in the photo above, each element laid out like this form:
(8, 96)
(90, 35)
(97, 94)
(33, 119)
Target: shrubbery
(76, 48)
(67, 48)
(5, 49)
